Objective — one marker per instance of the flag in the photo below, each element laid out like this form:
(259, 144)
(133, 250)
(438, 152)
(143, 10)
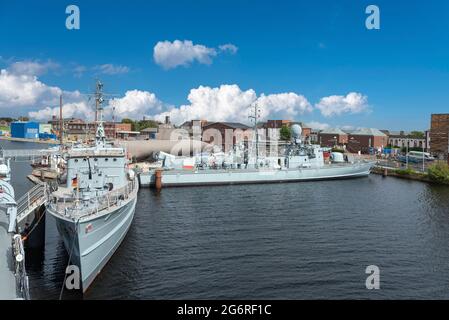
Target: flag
(75, 182)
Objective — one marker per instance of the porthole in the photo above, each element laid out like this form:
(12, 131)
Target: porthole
(95, 159)
(76, 160)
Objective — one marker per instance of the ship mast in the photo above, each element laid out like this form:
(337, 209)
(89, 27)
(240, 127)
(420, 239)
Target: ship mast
(100, 134)
(255, 115)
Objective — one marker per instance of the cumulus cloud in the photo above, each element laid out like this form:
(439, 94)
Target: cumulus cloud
(78, 71)
(18, 89)
(135, 104)
(111, 69)
(318, 125)
(79, 109)
(32, 68)
(336, 105)
(225, 103)
(283, 105)
(181, 53)
(21, 90)
(178, 53)
(229, 47)
(230, 103)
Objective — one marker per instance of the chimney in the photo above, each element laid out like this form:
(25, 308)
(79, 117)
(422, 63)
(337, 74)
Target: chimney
(167, 119)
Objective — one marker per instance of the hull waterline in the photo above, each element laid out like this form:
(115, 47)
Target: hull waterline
(92, 242)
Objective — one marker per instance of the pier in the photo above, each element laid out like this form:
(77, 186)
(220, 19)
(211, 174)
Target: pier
(13, 276)
(29, 140)
(7, 277)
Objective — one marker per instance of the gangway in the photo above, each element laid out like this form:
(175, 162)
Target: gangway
(27, 154)
(31, 201)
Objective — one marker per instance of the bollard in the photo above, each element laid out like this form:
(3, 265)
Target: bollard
(385, 172)
(158, 179)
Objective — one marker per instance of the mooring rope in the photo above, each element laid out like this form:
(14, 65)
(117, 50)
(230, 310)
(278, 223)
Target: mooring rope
(70, 259)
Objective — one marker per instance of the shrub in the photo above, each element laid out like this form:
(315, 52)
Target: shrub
(439, 172)
(405, 172)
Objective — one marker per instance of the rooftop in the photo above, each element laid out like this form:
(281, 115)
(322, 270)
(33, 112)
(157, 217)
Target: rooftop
(333, 131)
(368, 132)
(234, 125)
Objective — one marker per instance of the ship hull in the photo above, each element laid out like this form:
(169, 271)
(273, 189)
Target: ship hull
(91, 242)
(173, 178)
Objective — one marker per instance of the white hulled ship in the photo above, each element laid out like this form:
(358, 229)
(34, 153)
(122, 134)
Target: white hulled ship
(95, 208)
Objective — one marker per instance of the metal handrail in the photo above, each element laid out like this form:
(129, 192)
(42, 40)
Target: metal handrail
(33, 198)
(80, 208)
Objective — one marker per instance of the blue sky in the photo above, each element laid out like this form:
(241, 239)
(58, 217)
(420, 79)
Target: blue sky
(315, 49)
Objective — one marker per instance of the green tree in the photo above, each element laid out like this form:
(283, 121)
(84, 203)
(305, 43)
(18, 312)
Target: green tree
(143, 124)
(286, 133)
(134, 124)
(417, 134)
(127, 120)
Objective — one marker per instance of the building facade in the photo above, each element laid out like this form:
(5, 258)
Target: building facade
(403, 139)
(78, 129)
(439, 136)
(25, 129)
(332, 137)
(366, 140)
(226, 134)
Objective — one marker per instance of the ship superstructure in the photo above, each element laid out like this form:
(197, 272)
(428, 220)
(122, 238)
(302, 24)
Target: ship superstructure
(95, 207)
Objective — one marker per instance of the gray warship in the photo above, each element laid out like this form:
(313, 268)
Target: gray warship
(95, 207)
(298, 161)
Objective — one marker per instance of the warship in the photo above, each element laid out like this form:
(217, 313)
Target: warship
(298, 161)
(95, 207)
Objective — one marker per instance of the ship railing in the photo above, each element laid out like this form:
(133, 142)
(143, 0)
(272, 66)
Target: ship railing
(79, 207)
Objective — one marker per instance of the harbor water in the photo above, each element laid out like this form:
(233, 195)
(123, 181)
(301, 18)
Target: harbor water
(274, 241)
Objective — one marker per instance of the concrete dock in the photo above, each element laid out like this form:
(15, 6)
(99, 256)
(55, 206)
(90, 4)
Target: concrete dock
(8, 289)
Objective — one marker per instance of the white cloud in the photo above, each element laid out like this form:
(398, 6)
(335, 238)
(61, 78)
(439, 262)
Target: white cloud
(226, 103)
(336, 105)
(78, 71)
(25, 91)
(32, 68)
(178, 53)
(20, 90)
(318, 125)
(229, 47)
(111, 69)
(181, 53)
(78, 109)
(283, 105)
(135, 104)
(230, 103)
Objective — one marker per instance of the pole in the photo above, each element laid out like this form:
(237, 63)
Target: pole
(61, 124)
(255, 117)
(423, 165)
(406, 155)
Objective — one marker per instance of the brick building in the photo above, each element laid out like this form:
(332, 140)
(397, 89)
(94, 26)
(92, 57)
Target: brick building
(78, 129)
(276, 125)
(364, 139)
(332, 137)
(226, 134)
(439, 135)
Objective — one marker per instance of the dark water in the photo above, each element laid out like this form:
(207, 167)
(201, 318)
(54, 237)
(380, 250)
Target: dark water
(292, 241)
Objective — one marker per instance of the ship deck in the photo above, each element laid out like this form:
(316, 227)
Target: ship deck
(7, 278)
